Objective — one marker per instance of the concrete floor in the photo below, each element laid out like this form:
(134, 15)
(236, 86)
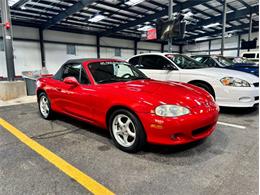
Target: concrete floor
(225, 163)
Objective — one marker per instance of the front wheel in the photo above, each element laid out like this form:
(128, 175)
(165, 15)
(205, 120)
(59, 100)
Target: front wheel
(45, 106)
(126, 131)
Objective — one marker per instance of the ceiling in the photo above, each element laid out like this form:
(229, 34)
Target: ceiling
(123, 20)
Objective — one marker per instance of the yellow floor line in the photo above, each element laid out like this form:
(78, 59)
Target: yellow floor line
(86, 181)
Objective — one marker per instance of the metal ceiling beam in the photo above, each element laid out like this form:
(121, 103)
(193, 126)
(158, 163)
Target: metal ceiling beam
(244, 3)
(176, 8)
(19, 4)
(71, 10)
(235, 15)
(240, 27)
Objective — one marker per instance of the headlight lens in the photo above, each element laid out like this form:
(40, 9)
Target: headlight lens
(234, 82)
(171, 110)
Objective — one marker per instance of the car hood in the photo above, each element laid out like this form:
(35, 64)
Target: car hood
(168, 92)
(220, 73)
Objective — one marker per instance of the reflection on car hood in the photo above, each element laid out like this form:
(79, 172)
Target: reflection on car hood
(169, 92)
(219, 73)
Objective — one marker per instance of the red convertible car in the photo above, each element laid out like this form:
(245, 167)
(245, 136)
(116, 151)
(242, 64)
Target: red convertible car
(112, 94)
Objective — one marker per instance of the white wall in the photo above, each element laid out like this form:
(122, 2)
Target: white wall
(28, 57)
(231, 45)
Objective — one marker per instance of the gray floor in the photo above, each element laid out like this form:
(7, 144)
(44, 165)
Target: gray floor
(225, 163)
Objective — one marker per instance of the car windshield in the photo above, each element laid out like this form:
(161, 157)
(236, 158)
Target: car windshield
(185, 62)
(109, 72)
(223, 61)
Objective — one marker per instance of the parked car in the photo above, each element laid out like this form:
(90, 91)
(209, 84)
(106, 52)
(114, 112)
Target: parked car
(251, 55)
(114, 95)
(230, 88)
(240, 60)
(224, 62)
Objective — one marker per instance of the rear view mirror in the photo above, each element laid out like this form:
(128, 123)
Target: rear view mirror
(71, 81)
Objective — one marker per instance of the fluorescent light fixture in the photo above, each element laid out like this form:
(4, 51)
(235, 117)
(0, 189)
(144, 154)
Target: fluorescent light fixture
(97, 18)
(12, 2)
(133, 2)
(145, 28)
(211, 25)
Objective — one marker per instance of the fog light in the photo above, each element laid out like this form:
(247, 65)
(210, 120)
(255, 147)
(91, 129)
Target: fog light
(177, 136)
(245, 99)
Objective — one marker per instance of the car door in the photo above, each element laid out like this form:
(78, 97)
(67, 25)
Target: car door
(173, 73)
(151, 66)
(76, 100)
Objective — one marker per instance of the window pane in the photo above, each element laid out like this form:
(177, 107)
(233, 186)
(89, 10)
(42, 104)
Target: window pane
(71, 49)
(71, 71)
(118, 52)
(152, 62)
(84, 78)
(134, 61)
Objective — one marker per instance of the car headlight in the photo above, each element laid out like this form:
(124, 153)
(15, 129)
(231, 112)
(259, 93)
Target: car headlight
(234, 82)
(171, 110)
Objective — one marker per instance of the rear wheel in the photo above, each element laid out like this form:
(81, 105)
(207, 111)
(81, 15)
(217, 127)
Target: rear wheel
(45, 106)
(126, 131)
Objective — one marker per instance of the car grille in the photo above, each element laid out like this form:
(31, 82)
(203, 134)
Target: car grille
(202, 130)
(256, 84)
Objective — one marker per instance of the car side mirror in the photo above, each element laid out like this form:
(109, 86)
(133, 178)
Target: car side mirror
(71, 81)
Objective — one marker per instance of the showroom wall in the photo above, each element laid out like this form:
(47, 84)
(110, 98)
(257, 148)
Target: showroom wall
(27, 52)
(231, 46)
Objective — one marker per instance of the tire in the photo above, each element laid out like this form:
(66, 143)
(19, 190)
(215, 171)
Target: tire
(206, 87)
(129, 124)
(45, 106)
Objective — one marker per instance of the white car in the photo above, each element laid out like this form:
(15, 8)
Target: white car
(230, 88)
(251, 56)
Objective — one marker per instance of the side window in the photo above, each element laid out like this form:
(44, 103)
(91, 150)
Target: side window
(165, 64)
(134, 61)
(200, 59)
(83, 77)
(153, 62)
(210, 62)
(73, 70)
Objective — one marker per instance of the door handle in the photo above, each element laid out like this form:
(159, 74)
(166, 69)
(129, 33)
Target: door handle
(58, 89)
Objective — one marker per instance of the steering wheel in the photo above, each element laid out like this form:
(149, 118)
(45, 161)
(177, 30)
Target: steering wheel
(126, 76)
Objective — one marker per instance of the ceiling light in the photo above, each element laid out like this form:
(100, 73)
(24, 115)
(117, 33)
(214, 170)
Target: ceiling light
(133, 2)
(211, 25)
(12, 2)
(97, 18)
(145, 28)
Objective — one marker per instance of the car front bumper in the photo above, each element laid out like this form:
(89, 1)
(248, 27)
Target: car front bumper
(237, 96)
(180, 130)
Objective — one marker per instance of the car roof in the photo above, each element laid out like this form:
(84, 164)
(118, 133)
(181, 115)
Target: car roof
(81, 60)
(154, 53)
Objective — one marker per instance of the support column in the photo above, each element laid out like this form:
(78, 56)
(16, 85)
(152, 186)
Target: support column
(162, 47)
(209, 46)
(98, 46)
(42, 48)
(8, 39)
(180, 49)
(250, 27)
(170, 10)
(135, 47)
(223, 26)
(238, 45)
